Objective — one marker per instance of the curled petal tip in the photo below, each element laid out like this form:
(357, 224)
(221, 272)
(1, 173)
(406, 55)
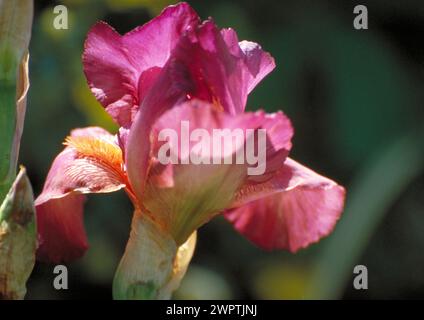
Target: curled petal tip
(292, 213)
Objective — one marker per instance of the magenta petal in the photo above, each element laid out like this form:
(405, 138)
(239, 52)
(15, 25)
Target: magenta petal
(295, 216)
(121, 69)
(203, 65)
(59, 207)
(112, 79)
(258, 63)
(186, 193)
(61, 234)
(73, 172)
(210, 65)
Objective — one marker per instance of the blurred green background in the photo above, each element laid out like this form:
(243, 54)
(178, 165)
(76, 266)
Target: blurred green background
(356, 101)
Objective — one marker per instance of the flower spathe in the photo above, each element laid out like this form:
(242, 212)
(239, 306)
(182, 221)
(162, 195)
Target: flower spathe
(176, 68)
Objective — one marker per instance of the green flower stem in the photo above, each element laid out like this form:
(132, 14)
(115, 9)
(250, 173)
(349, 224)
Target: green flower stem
(147, 264)
(7, 133)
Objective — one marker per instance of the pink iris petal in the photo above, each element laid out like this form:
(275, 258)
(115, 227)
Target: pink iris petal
(186, 195)
(258, 63)
(60, 205)
(61, 234)
(121, 69)
(197, 66)
(201, 59)
(303, 208)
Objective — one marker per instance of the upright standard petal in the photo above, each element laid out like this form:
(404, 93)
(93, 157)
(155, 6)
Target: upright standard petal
(201, 157)
(258, 63)
(207, 65)
(91, 163)
(121, 69)
(203, 58)
(292, 211)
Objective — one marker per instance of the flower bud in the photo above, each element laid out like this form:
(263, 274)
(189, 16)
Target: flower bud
(17, 238)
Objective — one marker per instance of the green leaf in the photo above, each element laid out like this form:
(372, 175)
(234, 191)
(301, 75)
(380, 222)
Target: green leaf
(7, 133)
(15, 33)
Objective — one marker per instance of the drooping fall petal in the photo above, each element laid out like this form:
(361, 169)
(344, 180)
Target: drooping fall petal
(303, 208)
(202, 181)
(61, 233)
(121, 69)
(91, 163)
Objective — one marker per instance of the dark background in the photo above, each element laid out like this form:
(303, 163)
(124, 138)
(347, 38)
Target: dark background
(356, 100)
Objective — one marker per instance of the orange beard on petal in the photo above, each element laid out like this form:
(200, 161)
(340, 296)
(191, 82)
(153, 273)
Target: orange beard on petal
(217, 104)
(105, 154)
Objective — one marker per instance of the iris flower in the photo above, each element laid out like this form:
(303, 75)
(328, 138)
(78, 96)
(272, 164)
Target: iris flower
(176, 68)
